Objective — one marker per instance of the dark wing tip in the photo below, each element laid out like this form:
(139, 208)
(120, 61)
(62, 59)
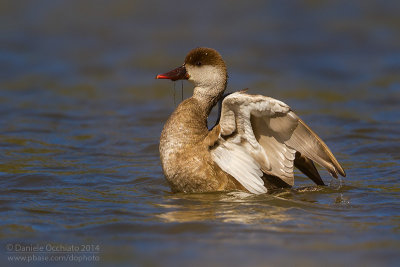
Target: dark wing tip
(341, 171)
(306, 166)
(337, 168)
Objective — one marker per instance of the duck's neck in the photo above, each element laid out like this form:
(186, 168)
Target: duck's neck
(188, 123)
(208, 97)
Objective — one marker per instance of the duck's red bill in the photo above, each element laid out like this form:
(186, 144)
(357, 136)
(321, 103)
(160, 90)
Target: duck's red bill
(174, 75)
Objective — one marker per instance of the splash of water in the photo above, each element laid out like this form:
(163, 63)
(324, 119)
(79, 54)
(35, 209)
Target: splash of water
(336, 184)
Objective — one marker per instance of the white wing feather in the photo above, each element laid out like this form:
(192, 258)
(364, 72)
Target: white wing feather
(234, 159)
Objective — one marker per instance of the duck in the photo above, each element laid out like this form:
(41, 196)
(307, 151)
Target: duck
(254, 146)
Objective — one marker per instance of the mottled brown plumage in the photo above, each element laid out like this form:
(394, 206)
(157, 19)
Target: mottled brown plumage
(185, 152)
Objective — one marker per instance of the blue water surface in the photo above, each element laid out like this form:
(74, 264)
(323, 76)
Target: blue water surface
(81, 116)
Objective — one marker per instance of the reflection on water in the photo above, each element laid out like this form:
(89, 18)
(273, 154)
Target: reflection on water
(234, 207)
(81, 115)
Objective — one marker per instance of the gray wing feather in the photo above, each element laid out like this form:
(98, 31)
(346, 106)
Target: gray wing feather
(289, 129)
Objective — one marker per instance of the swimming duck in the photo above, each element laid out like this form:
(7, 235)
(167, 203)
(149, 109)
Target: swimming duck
(254, 146)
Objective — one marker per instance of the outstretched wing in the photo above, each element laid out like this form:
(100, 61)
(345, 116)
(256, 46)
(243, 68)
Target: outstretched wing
(261, 135)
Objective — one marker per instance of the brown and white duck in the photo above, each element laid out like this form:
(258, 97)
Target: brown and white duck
(253, 148)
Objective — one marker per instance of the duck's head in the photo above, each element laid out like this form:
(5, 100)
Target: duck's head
(204, 67)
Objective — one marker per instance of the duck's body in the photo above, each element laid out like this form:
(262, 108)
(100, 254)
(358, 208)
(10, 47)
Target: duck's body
(233, 155)
(185, 152)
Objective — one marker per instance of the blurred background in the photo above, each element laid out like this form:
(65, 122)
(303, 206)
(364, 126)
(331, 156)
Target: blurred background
(81, 115)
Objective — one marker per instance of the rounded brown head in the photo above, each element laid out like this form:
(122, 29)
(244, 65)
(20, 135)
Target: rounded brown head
(202, 65)
(203, 56)
(206, 69)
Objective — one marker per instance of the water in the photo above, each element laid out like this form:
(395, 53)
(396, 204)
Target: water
(81, 115)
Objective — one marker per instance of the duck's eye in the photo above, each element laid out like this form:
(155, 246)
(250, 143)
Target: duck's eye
(198, 63)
